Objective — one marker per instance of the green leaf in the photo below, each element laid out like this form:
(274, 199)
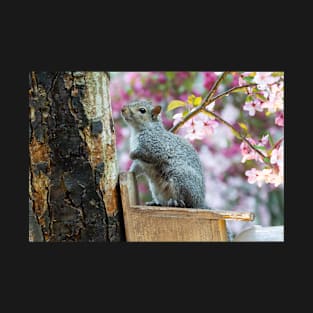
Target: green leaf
(267, 160)
(197, 101)
(174, 104)
(249, 98)
(236, 134)
(191, 99)
(243, 126)
(248, 79)
(259, 147)
(275, 74)
(186, 112)
(270, 138)
(243, 89)
(170, 75)
(260, 96)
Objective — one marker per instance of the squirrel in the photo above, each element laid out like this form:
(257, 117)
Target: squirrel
(170, 163)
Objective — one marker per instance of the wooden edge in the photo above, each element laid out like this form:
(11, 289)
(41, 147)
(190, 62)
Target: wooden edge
(130, 200)
(128, 184)
(188, 212)
(127, 197)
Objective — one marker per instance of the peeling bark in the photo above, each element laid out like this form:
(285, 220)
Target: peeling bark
(73, 164)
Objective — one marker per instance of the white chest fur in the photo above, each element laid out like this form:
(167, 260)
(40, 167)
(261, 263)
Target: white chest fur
(133, 142)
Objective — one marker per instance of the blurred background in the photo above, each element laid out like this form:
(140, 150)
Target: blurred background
(227, 187)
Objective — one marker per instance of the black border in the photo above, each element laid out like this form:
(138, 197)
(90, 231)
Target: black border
(192, 268)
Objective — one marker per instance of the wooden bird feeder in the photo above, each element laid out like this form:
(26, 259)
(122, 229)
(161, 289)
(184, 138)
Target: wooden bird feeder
(155, 223)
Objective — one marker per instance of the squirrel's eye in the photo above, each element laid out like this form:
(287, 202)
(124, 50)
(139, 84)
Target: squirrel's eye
(142, 110)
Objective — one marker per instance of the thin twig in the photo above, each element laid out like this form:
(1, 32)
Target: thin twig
(213, 90)
(227, 92)
(235, 131)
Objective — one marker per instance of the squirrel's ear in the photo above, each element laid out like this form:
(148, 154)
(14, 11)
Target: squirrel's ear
(156, 111)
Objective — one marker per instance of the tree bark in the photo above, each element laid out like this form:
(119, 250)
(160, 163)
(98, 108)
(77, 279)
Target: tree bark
(73, 170)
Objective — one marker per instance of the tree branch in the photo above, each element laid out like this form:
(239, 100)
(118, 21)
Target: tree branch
(208, 99)
(227, 92)
(213, 90)
(238, 134)
(186, 118)
(206, 102)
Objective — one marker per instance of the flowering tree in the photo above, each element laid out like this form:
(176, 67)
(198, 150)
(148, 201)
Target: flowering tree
(235, 120)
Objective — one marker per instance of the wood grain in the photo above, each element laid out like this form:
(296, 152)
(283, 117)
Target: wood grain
(187, 213)
(168, 224)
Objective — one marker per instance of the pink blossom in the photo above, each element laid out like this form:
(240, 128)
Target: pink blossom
(264, 140)
(250, 154)
(194, 130)
(209, 79)
(247, 152)
(279, 120)
(267, 175)
(158, 96)
(206, 123)
(276, 98)
(178, 117)
(183, 96)
(264, 78)
(235, 81)
(197, 127)
(232, 150)
(253, 106)
(277, 156)
(241, 81)
(161, 78)
(209, 126)
(194, 133)
(273, 176)
(255, 176)
(134, 79)
(182, 75)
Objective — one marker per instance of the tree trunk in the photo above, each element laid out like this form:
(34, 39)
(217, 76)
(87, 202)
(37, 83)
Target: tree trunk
(73, 168)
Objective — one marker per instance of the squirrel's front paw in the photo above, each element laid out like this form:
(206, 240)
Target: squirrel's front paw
(152, 203)
(176, 203)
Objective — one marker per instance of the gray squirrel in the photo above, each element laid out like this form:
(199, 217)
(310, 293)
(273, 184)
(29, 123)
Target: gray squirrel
(170, 163)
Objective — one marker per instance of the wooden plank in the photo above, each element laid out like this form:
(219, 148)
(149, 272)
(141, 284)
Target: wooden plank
(156, 228)
(154, 223)
(187, 213)
(128, 196)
